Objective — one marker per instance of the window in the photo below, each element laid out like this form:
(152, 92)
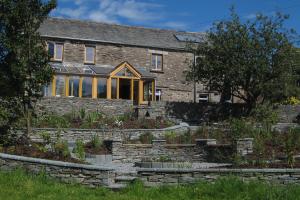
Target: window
(158, 94)
(101, 88)
(89, 54)
(148, 91)
(157, 62)
(203, 97)
(113, 88)
(60, 86)
(47, 90)
(87, 87)
(74, 86)
(55, 51)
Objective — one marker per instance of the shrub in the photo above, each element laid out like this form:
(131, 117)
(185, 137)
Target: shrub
(45, 135)
(171, 137)
(52, 120)
(265, 115)
(79, 149)
(292, 101)
(61, 148)
(82, 113)
(96, 142)
(146, 138)
(291, 142)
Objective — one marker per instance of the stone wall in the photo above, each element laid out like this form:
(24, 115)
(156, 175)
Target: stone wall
(288, 113)
(63, 105)
(205, 150)
(158, 150)
(106, 134)
(66, 172)
(156, 177)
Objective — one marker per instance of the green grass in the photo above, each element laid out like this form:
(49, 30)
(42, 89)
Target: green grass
(18, 185)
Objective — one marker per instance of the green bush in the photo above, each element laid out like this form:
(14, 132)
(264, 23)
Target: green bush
(52, 121)
(291, 143)
(146, 138)
(79, 149)
(171, 137)
(96, 142)
(61, 148)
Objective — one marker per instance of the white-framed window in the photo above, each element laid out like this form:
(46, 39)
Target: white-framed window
(203, 97)
(157, 62)
(158, 94)
(55, 50)
(90, 52)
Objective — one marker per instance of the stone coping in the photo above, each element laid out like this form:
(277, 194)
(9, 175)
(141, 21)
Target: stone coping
(219, 170)
(53, 162)
(165, 145)
(183, 125)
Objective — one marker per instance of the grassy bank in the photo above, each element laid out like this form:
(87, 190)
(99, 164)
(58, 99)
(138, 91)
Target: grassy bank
(17, 185)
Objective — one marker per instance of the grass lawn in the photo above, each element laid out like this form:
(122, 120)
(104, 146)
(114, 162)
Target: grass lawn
(17, 185)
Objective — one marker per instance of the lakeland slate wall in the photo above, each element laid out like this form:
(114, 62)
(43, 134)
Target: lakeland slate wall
(158, 176)
(89, 175)
(63, 105)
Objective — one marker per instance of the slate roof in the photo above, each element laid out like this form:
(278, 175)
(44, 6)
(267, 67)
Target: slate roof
(105, 70)
(115, 34)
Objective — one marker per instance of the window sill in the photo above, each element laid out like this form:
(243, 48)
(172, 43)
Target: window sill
(57, 61)
(157, 71)
(88, 63)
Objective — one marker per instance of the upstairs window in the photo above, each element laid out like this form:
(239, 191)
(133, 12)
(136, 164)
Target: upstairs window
(89, 55)
(55, 51)
(157, 62)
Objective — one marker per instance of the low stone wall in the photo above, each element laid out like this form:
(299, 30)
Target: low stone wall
(157, 151)
(160, 176)
(66, 172)
(205, 150)
(63, 105)
(107, 134)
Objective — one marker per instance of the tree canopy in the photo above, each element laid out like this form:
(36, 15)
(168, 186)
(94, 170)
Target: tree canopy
(24, 61)
(253, 60)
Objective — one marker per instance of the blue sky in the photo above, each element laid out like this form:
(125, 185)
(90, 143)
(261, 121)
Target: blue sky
(189, 15)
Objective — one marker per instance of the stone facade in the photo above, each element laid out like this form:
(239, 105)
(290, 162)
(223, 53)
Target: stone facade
(171, 80)
(91, 176)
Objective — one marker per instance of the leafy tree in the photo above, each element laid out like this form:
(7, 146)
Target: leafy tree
(23, 59)
(252, 60)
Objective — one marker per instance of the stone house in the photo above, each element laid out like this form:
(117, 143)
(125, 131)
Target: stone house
(98, 60)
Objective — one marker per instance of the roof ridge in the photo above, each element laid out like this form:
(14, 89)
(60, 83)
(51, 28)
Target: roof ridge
(122, 25)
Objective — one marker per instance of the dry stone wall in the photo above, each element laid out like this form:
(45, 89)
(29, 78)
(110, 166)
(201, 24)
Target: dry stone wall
(63, 105)
(91, 176)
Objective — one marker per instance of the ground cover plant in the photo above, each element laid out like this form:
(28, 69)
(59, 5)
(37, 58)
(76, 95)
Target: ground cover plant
(93, 120)
(18, 185)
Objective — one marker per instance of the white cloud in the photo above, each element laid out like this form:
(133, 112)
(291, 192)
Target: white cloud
(175, 25)
(139, 12)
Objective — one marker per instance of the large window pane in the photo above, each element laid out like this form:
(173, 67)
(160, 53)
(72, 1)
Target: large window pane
(148, 91)
(60, 86)
(101, 88)
(74, 86)
(47, 90)
(51, 49)
(87, 87)
(89, 54)
(59, 51)
(113, 88)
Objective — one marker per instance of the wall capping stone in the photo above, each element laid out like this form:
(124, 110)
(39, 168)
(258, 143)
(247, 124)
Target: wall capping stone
(220, 170)
(53, 162)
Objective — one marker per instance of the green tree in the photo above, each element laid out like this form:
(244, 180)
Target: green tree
(251, 60)
(24, 60)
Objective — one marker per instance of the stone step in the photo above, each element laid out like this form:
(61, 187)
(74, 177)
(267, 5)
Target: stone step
(125, 179)
(117, 186)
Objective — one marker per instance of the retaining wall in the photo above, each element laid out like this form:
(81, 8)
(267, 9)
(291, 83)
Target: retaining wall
(107, 134)
(63, 105)
(66, 172)
(159, 176)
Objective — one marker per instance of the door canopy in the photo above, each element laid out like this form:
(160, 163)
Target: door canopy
(125, 70)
